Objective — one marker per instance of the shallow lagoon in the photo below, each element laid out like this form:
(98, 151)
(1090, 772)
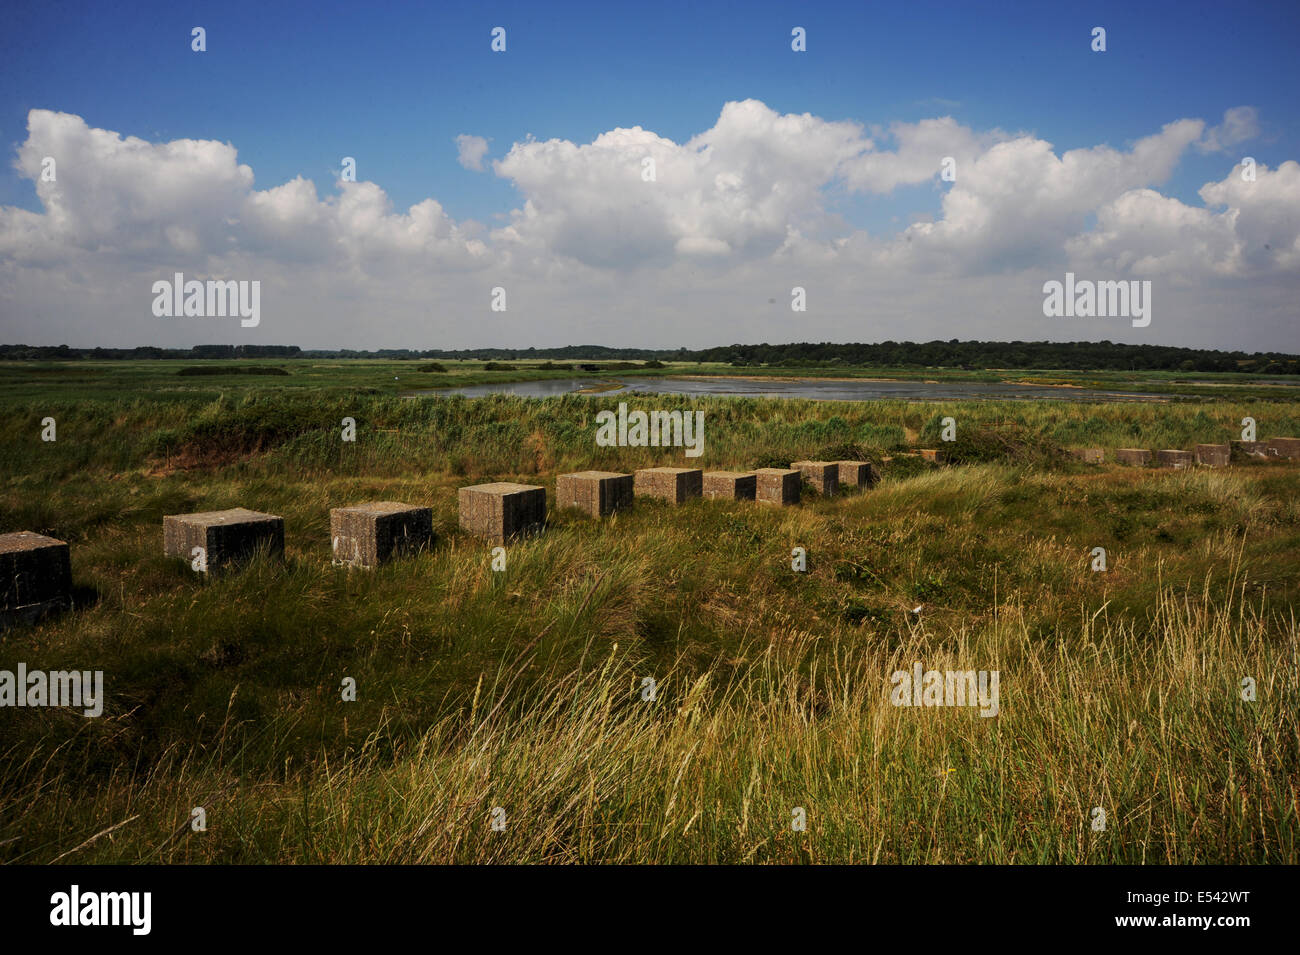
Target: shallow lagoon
(815, 389)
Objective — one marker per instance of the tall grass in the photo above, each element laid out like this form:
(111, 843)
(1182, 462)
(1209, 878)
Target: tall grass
(506, 434)
(522, 689)
(1149, 727)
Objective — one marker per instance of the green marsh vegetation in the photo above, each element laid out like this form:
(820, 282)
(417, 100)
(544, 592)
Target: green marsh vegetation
(522, 689)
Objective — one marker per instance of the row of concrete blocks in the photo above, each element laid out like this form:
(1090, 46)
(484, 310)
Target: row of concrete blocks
(1207, 455)
(501, 511)
(36, 574)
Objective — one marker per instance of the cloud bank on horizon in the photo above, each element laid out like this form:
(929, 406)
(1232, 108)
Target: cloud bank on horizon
(704, 251)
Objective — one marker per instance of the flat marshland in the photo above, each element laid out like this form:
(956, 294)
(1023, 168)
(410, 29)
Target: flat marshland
(523, 689)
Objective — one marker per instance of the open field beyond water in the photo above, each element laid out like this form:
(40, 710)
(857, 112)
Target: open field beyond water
(522, 689)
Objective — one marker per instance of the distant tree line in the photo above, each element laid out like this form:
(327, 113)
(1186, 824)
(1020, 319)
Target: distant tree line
(57, 352)
(1074, 356)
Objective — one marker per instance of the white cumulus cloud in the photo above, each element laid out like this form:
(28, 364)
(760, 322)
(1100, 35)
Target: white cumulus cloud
(1240, 124)
(470, 151)
(705, 250)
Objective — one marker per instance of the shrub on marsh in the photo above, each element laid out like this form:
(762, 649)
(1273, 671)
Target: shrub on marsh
(189, 370)
(1007, 443)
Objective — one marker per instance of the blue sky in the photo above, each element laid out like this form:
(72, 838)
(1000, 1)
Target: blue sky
(296, 87)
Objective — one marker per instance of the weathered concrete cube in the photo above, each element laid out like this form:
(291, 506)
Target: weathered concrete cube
(1288, 448)
(35, 576)
(1213, 455)
(1088, 455)
(1137, 457)
(822, 475)
(730, 485)
(777, 485)
(597, 492)
(670, 484)
(933, 454)
(1174, 458)
(226, 538)
(1251, 449)
(367, 535)
(857, 474)
(497, 512)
